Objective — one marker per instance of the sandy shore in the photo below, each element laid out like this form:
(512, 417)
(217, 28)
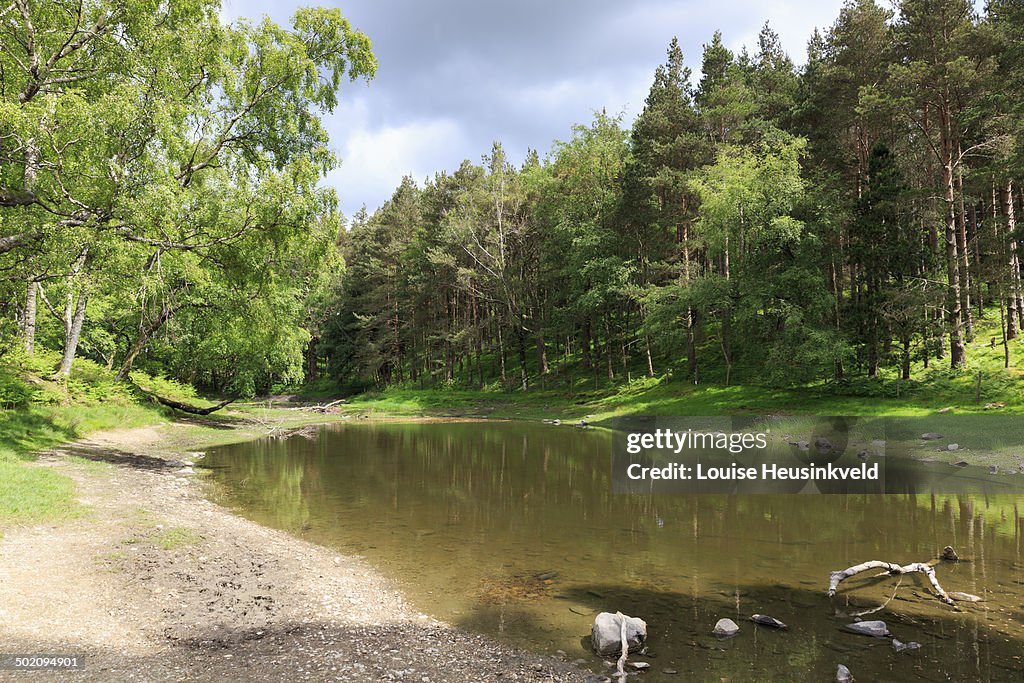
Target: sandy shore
(155, 583)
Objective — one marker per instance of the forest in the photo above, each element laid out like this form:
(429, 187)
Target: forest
(162, 208)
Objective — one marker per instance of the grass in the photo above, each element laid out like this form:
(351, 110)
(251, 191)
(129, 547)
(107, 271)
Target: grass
(178, 537)
(29, 495)
(574, 396)
(37, 413)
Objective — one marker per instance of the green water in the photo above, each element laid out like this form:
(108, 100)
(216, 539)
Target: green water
(511, 529)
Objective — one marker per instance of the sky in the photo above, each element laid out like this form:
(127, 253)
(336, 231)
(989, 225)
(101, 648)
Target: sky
(456, 75)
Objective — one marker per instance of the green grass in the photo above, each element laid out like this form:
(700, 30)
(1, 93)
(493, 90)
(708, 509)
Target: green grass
(37, 413)
(29, 495)
(572, 395)
(178, 537)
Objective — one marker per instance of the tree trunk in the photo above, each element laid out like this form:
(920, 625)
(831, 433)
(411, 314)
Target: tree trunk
(1013, 275)
(905, 369)
(72, 333)
(501, 355)
(311, 365)
(957, 354)
(964, 264)
(28, 320)
(521, 339)
(587, 361)
(145, 332)
(608, 349)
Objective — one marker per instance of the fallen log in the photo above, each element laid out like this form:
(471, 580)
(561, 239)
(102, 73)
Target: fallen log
(183, 407)
(892, 569)
(324, 407)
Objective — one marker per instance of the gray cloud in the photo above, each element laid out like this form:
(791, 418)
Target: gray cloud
(456, 75)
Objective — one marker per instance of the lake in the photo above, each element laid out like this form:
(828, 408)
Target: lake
(512, 529)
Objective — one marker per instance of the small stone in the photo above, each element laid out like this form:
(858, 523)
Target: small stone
(961, 463)
(863, 455)
(822, 444)
(945, 410)
(843, 674)
(726, 628)
(949, 554)
(670, 672)
(964, 597)
(640, 666)
(992, 469)
(900, 646)
(765, 620)
(931, 436)
(953, 447)
(876, 629)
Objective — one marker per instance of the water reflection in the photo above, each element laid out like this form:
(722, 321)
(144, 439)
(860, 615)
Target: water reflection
(512, 529)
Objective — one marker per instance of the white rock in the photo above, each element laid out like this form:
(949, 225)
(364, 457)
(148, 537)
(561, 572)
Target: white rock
(878, 629)
(725, 628)
(605, 635)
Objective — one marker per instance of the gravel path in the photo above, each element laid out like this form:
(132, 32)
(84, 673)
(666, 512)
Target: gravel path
(155, 583)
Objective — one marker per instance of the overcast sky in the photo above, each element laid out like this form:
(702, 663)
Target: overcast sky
(456, 75)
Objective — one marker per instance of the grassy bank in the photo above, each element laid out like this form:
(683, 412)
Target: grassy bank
(37, 413)
(571, 392)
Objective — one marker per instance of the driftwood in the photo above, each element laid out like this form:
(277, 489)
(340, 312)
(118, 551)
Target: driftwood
(893, 570)
(183, 407)
(325, 407)
(621, 665)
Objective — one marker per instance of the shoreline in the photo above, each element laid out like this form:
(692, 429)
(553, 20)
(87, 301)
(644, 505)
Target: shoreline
(153, 581)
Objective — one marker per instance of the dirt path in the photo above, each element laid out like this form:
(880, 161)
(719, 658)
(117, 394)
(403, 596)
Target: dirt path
(155, 583)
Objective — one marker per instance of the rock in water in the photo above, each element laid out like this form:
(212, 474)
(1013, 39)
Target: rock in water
(822, 444)
(949, 554)
(900, 646)
(931, 436)
(765, 620)
(877, 629)
(964, 597)
(843, 675)
(605, 636)
(726, 628)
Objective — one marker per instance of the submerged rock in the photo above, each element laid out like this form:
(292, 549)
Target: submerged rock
(900, 646)
(876, 629)
(765, 620)
(726, 628)
(843, 675)
(605, 635)
(964, 597)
